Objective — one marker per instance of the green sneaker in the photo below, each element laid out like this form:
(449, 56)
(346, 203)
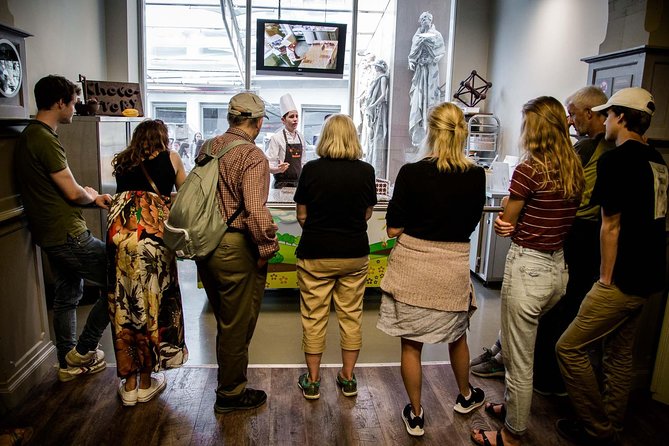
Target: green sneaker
(348, 387)
(310, 390)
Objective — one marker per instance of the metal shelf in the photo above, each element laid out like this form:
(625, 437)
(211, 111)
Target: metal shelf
(483, 139)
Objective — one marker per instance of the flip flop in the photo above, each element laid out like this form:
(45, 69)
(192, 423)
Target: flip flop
(486, 442)
(490, 409)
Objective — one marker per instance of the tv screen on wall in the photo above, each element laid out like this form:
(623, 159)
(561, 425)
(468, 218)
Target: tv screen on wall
(290, 47)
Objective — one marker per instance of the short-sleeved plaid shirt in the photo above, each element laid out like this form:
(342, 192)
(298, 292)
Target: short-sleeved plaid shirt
(244, 176)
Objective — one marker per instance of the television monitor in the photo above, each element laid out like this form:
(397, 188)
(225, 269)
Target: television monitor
(290, 47)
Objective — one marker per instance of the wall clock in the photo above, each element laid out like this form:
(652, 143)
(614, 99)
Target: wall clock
(11, 74)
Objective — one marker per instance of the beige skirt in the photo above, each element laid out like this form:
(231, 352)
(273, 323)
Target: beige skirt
(428, 274)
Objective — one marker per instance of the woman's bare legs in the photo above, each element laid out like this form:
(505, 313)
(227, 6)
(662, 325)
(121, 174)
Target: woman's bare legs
(131, 382)
(313, 361)
(412, 373)
(459, 354)
(348, 358)
(145, 379)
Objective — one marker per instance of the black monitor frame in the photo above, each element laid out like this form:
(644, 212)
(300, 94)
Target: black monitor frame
(337, 72)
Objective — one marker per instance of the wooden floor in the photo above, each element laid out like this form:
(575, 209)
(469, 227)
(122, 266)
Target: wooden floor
(88, 411)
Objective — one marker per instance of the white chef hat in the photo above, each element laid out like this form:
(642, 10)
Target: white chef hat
(286, 104)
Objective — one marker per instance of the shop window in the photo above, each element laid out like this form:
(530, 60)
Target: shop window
(312, 121)
(215, 122)
(214, 119)
(174, 116)
(196, 50)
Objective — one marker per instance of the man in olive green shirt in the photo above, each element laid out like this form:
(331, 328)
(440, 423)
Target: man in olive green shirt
(53, 202)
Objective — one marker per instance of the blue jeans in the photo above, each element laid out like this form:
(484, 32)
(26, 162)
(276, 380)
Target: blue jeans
(534, 281)
(81, 257)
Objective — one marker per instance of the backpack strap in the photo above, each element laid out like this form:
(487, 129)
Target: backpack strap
(206, 149)
(208, 143)
(234, 216)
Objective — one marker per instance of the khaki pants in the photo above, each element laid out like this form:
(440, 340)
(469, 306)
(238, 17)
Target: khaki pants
(234, 287)
(609, 314)
(320, 282)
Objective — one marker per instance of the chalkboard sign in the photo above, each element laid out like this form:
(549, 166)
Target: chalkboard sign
(113, 97)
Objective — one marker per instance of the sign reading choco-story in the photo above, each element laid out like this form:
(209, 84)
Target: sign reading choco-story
(114, 97)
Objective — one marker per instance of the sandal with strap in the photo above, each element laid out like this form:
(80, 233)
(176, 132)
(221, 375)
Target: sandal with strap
(486, 441)
(490, 409)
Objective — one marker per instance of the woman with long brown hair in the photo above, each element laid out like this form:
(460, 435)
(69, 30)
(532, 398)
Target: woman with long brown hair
(544, 195)
(144, 297)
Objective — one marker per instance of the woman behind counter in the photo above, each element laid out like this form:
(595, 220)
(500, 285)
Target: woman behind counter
(544, 195)
(427, 295)
(286, 151)
(144, 296)
(333, 249)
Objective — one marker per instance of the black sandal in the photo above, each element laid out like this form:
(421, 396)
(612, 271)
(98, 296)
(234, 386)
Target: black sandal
(490, 409)
(486, 442)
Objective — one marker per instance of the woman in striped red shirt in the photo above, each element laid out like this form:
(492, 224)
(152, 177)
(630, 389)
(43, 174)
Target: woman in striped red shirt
(543, 198)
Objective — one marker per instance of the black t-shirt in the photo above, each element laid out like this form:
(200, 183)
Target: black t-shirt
(159, 168)
(337, 194)
(434, 205)
(632, 181)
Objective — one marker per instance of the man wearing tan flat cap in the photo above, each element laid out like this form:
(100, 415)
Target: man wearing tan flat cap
(234, 275)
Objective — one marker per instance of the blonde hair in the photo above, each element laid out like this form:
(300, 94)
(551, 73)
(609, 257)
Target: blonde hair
(339, 139)
(544, 136)
(446, 136)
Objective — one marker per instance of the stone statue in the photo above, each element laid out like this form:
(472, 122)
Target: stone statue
(376, 120)
(427, 48)
(365, 74)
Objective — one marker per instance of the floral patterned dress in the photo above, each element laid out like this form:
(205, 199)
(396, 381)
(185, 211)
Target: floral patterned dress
(144, 296)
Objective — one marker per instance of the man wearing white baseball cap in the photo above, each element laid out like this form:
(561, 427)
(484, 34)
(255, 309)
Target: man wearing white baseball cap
(631, 189)
(286, 148)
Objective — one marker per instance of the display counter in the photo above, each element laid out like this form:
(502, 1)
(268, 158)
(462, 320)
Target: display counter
(281, 270)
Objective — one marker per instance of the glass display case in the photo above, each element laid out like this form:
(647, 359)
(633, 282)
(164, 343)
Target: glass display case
(281, 271)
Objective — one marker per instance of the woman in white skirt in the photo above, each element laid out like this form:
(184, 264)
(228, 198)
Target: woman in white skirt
(427, 294)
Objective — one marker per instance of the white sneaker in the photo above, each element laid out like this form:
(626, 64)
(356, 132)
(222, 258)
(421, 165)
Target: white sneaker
(158, 383)
(70, 373)
(129, 398)
(75, 359)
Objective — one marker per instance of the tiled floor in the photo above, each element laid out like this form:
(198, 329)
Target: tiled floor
(278, 335)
